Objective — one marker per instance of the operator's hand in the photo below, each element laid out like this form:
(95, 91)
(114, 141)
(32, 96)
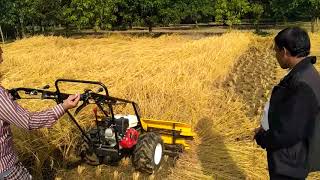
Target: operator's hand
(71, 102)
(257, 130)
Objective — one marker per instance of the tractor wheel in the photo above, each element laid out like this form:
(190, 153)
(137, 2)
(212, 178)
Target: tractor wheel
(148, 152)
(87, 155)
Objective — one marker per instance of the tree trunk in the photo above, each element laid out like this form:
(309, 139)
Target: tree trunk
(33, 28)
(17, 32)
(1, 33)
(150, 28)
(130, 25)
(42, 27)
(197, 24)
(256, 24)
(23, 28)
(285, 20)
(257, 28)
(54, 28)
(317, 24)
(102, 26)
(67, 30)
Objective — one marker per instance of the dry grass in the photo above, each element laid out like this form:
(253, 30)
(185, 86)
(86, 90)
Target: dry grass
(170, 77)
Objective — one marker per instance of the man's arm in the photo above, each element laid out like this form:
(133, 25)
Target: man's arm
(13, 113)
(298, 113)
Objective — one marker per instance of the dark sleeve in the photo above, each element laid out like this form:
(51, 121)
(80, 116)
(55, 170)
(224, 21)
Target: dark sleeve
(299, 112)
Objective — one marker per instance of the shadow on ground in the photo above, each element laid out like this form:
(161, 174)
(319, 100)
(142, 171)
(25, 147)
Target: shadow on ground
(213, 154)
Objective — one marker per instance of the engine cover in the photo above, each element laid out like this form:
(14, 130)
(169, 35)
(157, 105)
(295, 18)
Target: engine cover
(130, 139)
(122, 125)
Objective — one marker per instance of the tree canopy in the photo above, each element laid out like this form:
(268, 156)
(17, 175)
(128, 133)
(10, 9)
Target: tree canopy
(20, 16)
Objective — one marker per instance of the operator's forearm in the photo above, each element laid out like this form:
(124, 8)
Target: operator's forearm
(45, 118)
(13, 113)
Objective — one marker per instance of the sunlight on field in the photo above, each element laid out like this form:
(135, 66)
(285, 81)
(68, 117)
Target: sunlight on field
(315, 44)
(171, 77)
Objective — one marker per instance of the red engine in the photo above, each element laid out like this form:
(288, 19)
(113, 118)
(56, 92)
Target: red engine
(130, 138)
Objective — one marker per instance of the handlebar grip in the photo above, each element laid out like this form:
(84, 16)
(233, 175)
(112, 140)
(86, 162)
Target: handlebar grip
(65, 96)
(82, 97)
(48, 95)
(14, 94)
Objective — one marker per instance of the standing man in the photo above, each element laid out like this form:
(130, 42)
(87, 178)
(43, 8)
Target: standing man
(12, 113)
(293, 110)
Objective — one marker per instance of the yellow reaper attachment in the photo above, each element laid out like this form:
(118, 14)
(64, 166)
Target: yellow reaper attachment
(174, 134)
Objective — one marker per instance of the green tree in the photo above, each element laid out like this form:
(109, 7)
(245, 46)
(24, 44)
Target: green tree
(159, 12)
(309, 9)
(20, 14)
(125, 12)
(47, 13)
(196, 9)
(105, 13)
(15, 14)
(80, 12)
(257, 11)
(314, 14)
(173, 11)
(148, 12)
(7, 20)
(231, 11)
(282, 9)
(98, 13)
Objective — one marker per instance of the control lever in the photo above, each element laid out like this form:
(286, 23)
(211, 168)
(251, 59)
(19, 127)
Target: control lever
(84, 104)
(100, 90)
(83, 97)
(34, 92)
(46, 86)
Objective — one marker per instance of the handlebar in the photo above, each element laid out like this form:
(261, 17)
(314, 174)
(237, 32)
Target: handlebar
(88, 97)
(81, 81)
(44, 94)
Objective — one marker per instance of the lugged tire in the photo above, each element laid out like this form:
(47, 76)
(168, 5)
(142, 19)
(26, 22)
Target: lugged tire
(144, 158)
(87, 155)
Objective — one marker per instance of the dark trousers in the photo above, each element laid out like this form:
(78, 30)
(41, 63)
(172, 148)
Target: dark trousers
(282, 177)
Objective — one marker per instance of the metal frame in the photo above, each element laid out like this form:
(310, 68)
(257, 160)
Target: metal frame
(99, 99)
